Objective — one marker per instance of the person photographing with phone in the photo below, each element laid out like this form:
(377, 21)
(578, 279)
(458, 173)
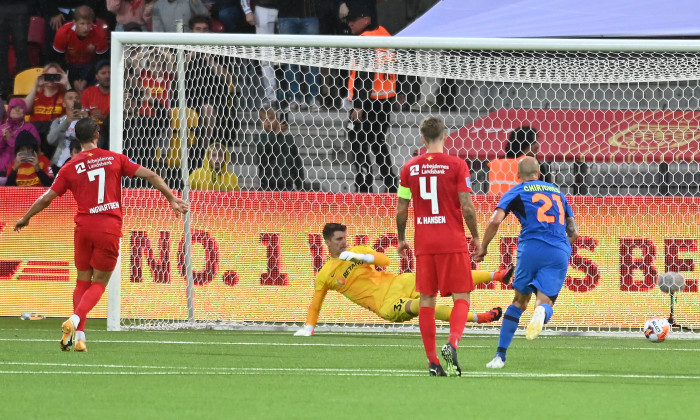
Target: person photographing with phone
(45, 100)
(62, 130)
(29, 169)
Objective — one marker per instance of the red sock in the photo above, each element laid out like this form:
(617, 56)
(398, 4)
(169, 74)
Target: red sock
(458, 318)
(428, 330)
(90, 298)
(80, 287)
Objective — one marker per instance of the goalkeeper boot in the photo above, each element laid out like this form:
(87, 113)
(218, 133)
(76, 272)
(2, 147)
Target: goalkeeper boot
(68, 335)
(436, 370)
(491, 316)
(504, 276)
(80, 345)
(449, 353)
(535, 326)
(496, 363)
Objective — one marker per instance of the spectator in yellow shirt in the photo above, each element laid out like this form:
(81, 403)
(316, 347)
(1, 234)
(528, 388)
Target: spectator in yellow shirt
(214, 174)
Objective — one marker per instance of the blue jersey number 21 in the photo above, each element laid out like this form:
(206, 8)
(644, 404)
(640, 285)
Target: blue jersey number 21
(542, 215)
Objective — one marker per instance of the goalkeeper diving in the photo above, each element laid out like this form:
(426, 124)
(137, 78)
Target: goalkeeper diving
(393, 297)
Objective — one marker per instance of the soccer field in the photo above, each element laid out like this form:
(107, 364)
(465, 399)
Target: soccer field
(270, 375)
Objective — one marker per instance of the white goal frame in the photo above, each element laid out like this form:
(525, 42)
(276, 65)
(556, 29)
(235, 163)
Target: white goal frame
(119, 39)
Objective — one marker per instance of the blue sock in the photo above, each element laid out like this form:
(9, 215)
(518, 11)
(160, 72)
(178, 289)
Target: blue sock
(548, 312)
(508, 326)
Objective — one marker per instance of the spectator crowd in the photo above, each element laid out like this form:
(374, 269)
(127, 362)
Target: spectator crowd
(67, 41)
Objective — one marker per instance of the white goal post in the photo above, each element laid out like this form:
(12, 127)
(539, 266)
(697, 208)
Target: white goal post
(617, 123)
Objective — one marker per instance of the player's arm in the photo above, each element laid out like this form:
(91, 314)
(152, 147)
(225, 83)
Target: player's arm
(490, 232)
(571, 230)
(469, 214)
(312, 316)
(401, 219)
(40, 204)
(380, 259)
(158, 183)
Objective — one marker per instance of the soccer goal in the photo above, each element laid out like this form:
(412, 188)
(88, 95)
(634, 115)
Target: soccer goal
(616, 124)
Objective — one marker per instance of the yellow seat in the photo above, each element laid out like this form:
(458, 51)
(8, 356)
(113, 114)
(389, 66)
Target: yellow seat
(25, 81)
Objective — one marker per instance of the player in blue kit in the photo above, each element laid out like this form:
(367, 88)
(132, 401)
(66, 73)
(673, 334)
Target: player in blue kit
(544, 247)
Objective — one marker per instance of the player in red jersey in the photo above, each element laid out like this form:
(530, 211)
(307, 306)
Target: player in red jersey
(94, 177)
(440, 187)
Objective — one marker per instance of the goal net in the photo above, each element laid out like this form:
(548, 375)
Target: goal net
(255, 132)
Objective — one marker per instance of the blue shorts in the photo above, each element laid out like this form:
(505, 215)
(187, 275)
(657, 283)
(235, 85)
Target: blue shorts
(540, 267)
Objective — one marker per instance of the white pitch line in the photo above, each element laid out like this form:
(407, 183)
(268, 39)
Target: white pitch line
(173, 370)
(655, 347)
(84, 365)
(239, 373)
(220, 343)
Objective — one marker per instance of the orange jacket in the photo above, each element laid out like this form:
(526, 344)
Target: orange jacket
(384, 85)
(503, 175)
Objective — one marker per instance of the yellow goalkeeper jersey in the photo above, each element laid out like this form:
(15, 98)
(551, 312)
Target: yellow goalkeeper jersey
(359, 282)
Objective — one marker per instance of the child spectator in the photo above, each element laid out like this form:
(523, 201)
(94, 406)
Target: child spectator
(62, 130)
(75, 148)
(29, 169)
(9, 131)
(139, 12)
(280, 167)
(81, 42)
(214, 174)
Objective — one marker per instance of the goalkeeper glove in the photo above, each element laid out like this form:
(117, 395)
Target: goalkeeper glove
(358, 258)
(306, 331)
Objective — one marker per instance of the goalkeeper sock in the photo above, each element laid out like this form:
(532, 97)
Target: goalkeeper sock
(460, 312)
(443, 312)
(508, 326)
(548, 312)
(90, 298)
(480, 277)
(428, 331)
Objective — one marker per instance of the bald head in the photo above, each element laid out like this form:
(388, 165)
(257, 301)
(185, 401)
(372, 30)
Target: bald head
(528, 169)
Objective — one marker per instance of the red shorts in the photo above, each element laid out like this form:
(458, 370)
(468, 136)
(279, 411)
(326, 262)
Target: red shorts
(93, 249)
(447, 273)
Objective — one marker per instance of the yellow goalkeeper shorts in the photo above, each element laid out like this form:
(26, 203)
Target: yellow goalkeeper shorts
(401, 290)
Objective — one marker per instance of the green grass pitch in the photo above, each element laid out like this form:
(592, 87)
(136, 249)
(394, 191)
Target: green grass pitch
(273, 375)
